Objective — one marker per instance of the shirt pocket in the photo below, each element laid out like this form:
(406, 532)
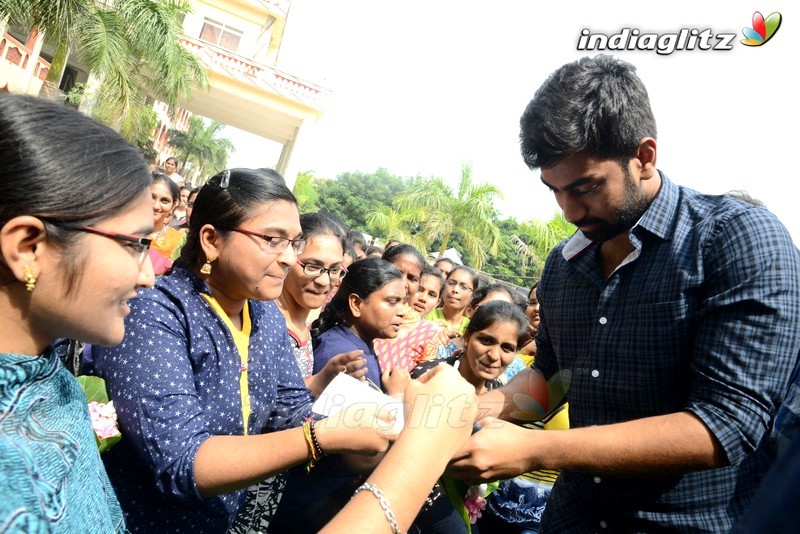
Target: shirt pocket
(649, 354)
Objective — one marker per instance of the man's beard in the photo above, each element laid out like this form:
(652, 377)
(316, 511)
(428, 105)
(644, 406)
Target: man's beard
(626, 214)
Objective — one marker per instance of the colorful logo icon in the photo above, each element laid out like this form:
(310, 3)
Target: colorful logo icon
(762, 30)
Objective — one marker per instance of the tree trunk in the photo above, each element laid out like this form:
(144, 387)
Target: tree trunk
(59, 63)
(57, 67)
(444, 244)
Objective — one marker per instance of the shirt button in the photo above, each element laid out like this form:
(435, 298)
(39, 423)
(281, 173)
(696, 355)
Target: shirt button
(603, 320)
(597, 480)
(603, 524)
(595, 373)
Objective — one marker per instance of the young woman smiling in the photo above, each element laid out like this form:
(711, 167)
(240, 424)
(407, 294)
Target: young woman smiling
(67, 269)
(165, 196)
(307, 286)
(491, 340)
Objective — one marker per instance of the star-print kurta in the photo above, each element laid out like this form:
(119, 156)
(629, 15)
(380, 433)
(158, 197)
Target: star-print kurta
(174, 380)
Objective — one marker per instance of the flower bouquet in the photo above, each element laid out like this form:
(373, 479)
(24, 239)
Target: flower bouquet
(469, 501)
(101, 410)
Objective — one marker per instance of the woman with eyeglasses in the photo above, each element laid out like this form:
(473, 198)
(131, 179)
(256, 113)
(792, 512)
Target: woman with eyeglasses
(458, 288)
(367, 305)
(67, 269)
(208, 392)
(307, 286)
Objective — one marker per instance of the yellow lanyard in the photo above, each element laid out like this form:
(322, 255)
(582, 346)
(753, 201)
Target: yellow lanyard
(242, 341)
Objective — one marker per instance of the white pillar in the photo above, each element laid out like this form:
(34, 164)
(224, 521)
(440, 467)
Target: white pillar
(34, 44)
(287, 165)
(90, 94)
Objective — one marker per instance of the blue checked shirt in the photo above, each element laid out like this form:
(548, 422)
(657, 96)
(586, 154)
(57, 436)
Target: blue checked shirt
(701, 317)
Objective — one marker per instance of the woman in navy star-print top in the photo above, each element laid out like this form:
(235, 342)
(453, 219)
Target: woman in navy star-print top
(205, 382)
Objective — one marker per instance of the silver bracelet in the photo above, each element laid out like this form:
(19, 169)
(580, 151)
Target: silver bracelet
(375, 490)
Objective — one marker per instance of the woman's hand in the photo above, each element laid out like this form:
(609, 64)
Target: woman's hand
(395, 381)
(440, 411)
(360, 428)
(351, 363)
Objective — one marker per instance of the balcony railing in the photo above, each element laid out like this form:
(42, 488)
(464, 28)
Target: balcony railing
(261, 75)
(15, 71)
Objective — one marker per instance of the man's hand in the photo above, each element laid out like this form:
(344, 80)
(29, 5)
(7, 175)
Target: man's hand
(492, 453)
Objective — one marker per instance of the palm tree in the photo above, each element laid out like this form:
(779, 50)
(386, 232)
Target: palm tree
(468, 213)
(305, 192)
(397, 225)
(200, 148)
(131, 47)
(538, 238)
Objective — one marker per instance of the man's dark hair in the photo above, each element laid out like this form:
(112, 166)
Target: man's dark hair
(594, 105)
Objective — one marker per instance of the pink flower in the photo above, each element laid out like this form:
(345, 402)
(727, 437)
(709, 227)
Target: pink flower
(474, 502)
(104, 419)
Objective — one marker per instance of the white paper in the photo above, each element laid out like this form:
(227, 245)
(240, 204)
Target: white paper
(344, 392)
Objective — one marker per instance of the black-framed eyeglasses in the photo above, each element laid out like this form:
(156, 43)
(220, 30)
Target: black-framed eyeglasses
(140, 245)
(461, 286)
(276, 244)
(336, 273)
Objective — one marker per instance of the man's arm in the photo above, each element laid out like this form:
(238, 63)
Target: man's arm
(745, 345)
(661, 445)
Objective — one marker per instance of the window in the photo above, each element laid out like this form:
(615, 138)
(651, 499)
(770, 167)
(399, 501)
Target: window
(221, 35)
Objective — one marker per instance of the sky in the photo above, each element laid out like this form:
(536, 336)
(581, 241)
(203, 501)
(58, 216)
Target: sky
(420, 87)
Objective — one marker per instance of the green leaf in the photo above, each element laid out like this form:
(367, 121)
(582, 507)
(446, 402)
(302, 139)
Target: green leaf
(104, 444)
(456, 491)
(94, 388)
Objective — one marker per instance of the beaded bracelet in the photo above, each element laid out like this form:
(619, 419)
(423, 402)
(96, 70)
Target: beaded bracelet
(317, 446)
(384, 502)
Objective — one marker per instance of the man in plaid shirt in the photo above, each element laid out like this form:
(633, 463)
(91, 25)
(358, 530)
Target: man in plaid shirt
(671, 316)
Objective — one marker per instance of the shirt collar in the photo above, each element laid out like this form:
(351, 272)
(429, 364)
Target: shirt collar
(657, 220)
(662, 211)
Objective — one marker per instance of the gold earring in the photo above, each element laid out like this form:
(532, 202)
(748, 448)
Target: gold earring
(206, 268)
(30, 278)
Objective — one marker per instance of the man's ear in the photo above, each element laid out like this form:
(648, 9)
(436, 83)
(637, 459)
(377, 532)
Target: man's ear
(646, 158)
(354, 302)
(22, 244)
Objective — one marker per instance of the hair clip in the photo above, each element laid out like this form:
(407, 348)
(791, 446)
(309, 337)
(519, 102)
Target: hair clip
(225, 180)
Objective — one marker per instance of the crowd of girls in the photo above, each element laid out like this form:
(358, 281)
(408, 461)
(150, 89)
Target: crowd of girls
(214, 366)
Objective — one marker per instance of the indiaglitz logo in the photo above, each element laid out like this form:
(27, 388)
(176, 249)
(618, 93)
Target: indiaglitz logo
(762, 30)
(665, 43)
(662, 43)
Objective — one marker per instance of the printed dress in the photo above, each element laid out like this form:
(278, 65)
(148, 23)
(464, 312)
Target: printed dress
(51, 476)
